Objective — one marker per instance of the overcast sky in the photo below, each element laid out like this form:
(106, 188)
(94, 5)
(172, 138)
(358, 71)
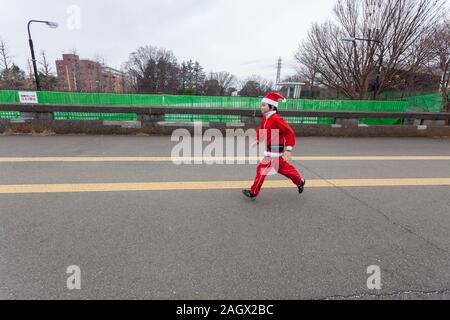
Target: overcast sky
(244, 37)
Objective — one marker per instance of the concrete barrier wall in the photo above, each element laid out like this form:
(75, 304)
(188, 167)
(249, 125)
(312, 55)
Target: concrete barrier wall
(39, 119)
(41, 126)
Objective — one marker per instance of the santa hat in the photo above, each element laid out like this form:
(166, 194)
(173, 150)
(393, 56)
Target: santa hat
(272, 98)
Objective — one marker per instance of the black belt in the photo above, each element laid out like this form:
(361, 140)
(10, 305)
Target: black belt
(275, 148)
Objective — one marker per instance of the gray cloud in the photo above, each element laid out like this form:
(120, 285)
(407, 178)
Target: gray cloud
(244, 37)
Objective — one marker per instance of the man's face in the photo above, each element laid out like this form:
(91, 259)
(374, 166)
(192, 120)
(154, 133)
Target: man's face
(265, 108)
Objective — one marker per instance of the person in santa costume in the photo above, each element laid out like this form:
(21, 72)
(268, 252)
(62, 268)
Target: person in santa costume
(279, 138)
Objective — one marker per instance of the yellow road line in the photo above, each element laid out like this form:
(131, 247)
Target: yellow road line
(213, 185)
(218, 159)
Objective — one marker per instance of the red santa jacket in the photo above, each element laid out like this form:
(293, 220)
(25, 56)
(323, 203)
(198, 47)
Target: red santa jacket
(275, 131)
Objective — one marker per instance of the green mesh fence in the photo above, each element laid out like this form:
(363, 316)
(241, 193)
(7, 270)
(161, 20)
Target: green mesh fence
(344, 105)
(9, 114)
(94, 116)
(107, 99)
(201, 118)
(309, 120)
(429, 103)
(9, 96)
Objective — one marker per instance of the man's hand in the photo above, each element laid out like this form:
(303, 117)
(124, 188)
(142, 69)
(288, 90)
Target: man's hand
(287, 156)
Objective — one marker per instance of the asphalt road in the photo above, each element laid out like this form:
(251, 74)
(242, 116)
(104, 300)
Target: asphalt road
(212, 243)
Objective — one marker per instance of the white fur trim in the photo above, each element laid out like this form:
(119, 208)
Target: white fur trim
(269, 114)
(273, 154)
(289, 148)
(270, 101)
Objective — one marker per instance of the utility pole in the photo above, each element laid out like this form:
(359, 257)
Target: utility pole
(280, 63)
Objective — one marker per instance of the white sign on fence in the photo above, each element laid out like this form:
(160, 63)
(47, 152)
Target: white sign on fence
(28, 97)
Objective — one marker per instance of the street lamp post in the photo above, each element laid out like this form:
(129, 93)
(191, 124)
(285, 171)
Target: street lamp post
(380, 64)
(33, 57)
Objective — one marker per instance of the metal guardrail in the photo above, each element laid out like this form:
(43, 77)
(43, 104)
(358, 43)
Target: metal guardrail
(145, 110)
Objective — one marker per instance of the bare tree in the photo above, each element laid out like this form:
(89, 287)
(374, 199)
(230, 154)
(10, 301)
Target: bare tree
(29, 68)
(104, 82)
(255, 86)
(211, 87)
(5, 64)
(46, 75)
(308, 64)
(441, 41)
(225, 81)
(45, 67)
(153, 70)
(350, 68)
(5, 59)
(29, 81)
(11, 76)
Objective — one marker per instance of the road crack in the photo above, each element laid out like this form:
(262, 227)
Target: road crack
(386, 295)
(380, 212)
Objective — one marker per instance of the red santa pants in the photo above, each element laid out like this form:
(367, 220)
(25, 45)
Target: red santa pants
(278, 164)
